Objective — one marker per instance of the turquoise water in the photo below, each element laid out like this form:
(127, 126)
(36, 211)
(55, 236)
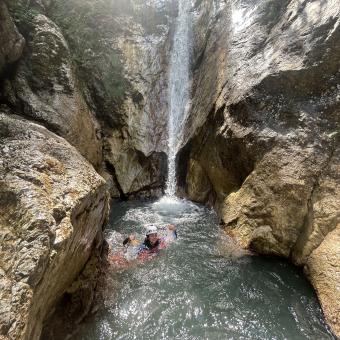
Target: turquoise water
(200, 288)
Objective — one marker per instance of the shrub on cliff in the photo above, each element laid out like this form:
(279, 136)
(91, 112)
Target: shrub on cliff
(22, 14)
(89, 27)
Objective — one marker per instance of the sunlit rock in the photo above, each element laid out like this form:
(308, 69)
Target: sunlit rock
(262, 131)
(53, 207)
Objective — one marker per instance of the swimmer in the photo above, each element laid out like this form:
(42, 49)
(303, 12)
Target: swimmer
(152, 242)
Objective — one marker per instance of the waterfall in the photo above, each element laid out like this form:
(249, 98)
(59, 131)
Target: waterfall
(179, 90)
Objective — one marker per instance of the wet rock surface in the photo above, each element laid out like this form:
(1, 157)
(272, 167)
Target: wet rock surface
(11, 41)
(125, 77)
(65, 119)
(54, 206)
(262, 136)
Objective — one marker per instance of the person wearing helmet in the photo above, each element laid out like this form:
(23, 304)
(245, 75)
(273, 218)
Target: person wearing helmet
(152, 242)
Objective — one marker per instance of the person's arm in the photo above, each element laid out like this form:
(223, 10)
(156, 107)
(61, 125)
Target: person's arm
(126, 241)
(172, 228)
(129, 239)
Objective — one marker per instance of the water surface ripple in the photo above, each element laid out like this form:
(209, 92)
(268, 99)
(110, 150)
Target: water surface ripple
(191, 291)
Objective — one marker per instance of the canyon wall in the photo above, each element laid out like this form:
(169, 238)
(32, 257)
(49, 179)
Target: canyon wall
(262, 141)
(82, 118)
(83, 101)
(54, 207)
(121, 49)
(53, 202)
(97, 75)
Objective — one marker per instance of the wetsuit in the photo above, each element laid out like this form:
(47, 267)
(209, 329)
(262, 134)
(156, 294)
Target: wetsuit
(147, 246)
(159, 244)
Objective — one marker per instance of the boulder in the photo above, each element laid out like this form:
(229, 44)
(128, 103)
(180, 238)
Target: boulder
(53, 208)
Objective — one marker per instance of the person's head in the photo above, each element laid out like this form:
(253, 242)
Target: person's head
(151, 234)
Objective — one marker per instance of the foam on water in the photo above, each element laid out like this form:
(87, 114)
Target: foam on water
(171, 205)
(197, 289)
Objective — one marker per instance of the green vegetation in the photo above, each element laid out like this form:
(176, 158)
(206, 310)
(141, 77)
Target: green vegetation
(89, 27)
(22, 14)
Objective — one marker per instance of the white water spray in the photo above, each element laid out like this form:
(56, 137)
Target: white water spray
(179, 90)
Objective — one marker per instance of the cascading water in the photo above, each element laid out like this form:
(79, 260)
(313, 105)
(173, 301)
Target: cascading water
(199, 287)
(179, 90)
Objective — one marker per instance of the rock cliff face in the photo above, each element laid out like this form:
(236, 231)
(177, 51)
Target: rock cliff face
(54, 206)
(12, 43)
(72, 106)
(43, 88)
(133, 61)
(99, 81)
(263, 133)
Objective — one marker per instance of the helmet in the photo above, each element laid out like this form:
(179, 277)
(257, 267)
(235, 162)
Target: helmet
(151, 230)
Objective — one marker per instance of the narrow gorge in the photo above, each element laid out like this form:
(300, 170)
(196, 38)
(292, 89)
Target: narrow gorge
(219, 116)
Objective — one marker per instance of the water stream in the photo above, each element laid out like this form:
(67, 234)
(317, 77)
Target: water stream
(197, 289)
(201, 286)
(179, 90)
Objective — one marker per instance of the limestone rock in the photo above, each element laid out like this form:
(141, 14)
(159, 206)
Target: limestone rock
(319, 243)
(11, 41)
(198, 185)
(53, 206)
(124, 68)
(323, 214)
(323, 268)
(261, 137)
(46, 88)
(268, 213)
(132, 170)
(137, 154)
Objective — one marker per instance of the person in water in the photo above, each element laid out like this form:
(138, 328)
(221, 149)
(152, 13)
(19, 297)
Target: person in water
(142, 251)
(152, 242)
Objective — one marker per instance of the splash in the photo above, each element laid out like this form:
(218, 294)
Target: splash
(201, 287)
(179, 90)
